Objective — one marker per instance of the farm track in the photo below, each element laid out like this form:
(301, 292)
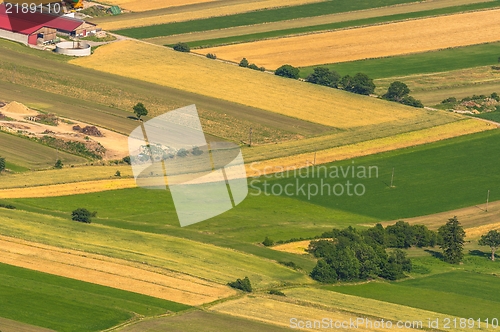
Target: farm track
(311, 21)
(110, 272)
(371, 42)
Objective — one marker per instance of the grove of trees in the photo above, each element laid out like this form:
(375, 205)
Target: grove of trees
(242, 284)
(400, 93)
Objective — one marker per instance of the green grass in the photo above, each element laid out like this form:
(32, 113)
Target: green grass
(493, 116)
(421, 63)
(65, 304)
(339, 25)
(458, 293)
(257, 17)
(15, 168)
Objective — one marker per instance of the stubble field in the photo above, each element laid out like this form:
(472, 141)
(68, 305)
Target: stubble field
(370, 42)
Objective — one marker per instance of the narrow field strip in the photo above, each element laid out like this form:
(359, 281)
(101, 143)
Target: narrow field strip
(141, 6)
(321, 23)
(379, 145)
(225, 8)
(371, 42)
(8, 325)
(280, 313)
(110, 272)
(364, 306)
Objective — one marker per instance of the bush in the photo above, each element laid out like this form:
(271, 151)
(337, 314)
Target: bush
(2, 164)
(243, 285)
(82, 215)
(262, 68)
(211, 56)
(410, 101)
(449, 100)
(287, 71)
(360, 84)
(182, 47)
(127, 160)
(253, 66)
(182, 152)
(495, 96)
(268, 242)
(243, 63)
(7, 206)
(196, 151)
(290, 264)
(118, 174)
(323, 76)
(276, 292)
(58, 164)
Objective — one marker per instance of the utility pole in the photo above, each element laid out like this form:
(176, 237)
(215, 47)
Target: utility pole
(487, 200)
(250, 138)
(392, 178)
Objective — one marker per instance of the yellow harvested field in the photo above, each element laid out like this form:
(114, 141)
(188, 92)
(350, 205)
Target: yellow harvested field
(475, 220)
(370, 42)
(298, 247)
(379, 145)
(225, 8)
(280, 313)
(141, 6)
(365, 306)
(111, 272)
(200, 75)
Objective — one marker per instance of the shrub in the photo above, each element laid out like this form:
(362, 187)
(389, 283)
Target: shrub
(58, 164)
(449, 100)
(410, 101)
(211, 56)
(268, 242)
(290, 264)
(7, 206)
(253, 66)
(2, 164)
(182, 47)
(276, 292)
(196, 151)
(243, 285)
(495, 96)
(118, 173)
(288, 71)
(262, 68)
(182, 152)
(127, 160)
(243, 63)
(360, 84)
(323, 76)
(82, 215)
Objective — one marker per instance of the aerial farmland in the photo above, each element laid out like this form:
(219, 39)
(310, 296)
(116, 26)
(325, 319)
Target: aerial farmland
(241, 165)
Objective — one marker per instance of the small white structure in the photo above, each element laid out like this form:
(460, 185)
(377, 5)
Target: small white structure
(73, 48)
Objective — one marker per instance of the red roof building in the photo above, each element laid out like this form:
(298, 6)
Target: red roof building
(26, 28)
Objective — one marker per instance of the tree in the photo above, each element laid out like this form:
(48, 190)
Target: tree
(452, 234)
(397, 90)
(211, 56)
(323, 76)
(2, 164)
(323, 272)
(397, 264)
(492, 240)
(82, 215)
(400, 235)
(182, 47)
(410, 101)
(140, 110)
(287, 71)
(242, 284)
(360, 84)
(58, 164)
(244, 63)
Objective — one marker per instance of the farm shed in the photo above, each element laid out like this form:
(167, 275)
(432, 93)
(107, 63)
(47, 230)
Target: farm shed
(28, 28)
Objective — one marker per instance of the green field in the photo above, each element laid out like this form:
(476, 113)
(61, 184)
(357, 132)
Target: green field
(22, 154)
(257, 17)
(423, 184)
(421, 63)
(493, 116)
(457, 293)
(337, 25)
(196, 321)
(64, 304)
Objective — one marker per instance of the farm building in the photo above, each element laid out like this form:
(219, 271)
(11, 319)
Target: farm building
(28, 28)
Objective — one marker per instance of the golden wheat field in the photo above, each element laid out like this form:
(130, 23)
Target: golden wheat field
(225, 8)
(370, 42)
(141, 6)
(200, 75)
(272, 311)
(111, 272)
